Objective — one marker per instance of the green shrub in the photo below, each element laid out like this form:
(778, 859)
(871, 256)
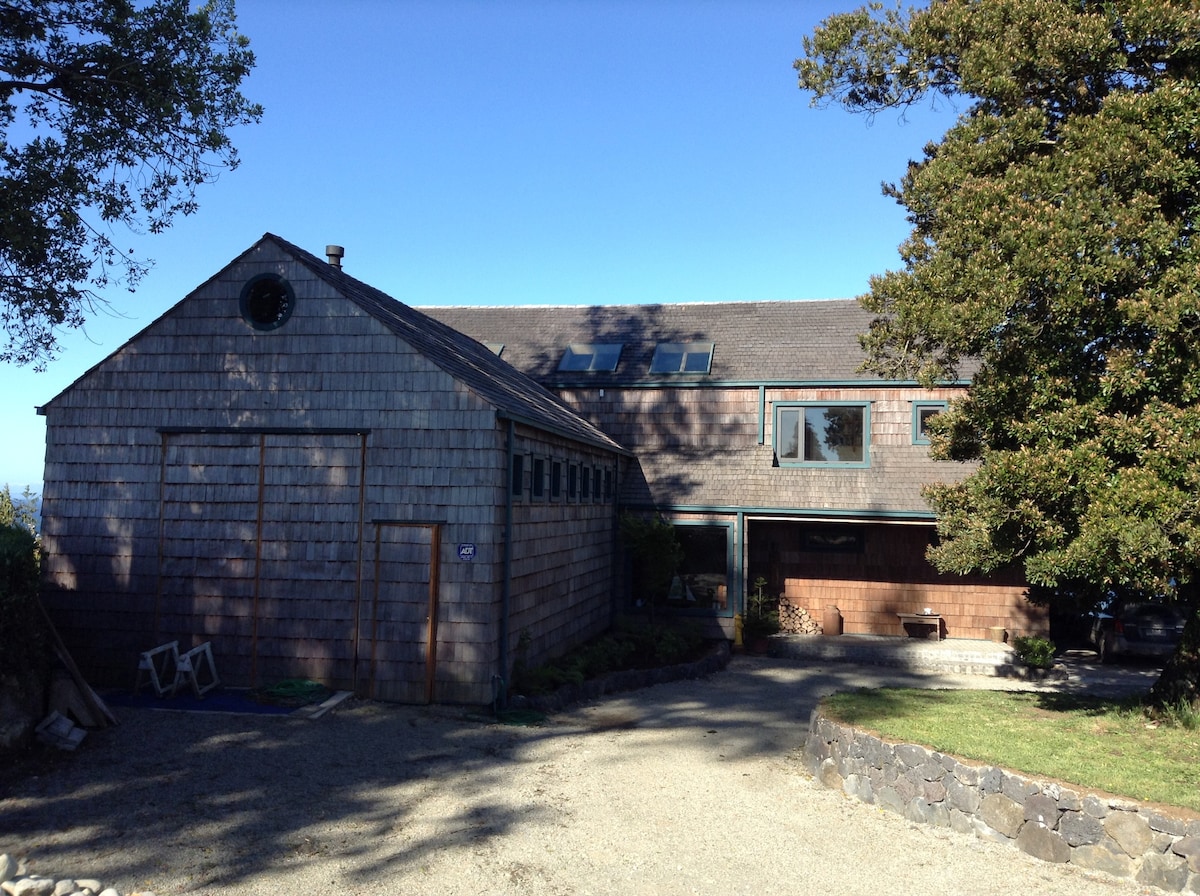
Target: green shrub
(1034, 651)
(625, 647)
(656, 553)
(22, 632)
(1180, 714)
(762, 613)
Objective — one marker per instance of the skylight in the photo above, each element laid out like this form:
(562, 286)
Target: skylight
(581, 356)
(682, 357)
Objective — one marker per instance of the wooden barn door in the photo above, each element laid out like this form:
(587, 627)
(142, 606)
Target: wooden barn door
(260, 552)
(403, 630)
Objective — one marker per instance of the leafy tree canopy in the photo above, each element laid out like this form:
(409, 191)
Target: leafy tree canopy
(112, 113)
(1053, 249)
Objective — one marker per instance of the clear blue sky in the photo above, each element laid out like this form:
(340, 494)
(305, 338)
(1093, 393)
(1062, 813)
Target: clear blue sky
(550, 152)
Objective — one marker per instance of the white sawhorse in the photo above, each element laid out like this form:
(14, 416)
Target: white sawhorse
(166, 669)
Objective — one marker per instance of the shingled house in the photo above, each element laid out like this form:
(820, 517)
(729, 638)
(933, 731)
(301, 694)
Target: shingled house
(319, 481)
(323, 482)
(757, 435)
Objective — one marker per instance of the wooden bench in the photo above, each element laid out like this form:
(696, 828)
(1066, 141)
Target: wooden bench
(932, 620)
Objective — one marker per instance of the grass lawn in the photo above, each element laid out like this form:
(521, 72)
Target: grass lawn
(1090, 742)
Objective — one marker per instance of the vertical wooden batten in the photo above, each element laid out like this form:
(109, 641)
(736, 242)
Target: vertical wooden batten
(435, 538)
(258, 545)
(362, 516)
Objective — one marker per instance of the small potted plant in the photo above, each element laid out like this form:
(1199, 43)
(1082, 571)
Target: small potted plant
(761, 619)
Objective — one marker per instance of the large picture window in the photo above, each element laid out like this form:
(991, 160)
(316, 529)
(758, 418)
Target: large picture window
(694, 580)
(701, 582)
(818, 434)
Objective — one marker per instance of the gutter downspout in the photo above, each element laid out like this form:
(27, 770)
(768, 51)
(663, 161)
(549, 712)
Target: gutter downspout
(506, 579)
(614, 570)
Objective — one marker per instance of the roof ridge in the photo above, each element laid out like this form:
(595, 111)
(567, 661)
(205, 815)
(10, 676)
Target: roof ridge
(582, 306)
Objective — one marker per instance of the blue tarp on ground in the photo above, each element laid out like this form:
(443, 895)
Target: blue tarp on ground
(221, 700)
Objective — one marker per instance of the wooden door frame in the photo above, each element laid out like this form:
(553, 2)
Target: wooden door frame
(435, 541)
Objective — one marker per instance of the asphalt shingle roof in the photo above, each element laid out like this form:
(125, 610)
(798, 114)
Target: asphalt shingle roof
(508, 389)
(800, 341)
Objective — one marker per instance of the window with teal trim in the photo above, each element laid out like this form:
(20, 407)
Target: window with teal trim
(812, 434)
(702, 580)
(923, 412)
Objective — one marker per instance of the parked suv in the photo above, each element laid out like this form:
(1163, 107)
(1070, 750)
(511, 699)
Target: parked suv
(1146, 629)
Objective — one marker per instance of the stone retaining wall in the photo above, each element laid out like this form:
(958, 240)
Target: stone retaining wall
(1048, 820)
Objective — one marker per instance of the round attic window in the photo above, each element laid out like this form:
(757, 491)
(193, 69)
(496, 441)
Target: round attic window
(267, 301)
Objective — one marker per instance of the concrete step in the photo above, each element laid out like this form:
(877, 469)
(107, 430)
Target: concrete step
(960, 656)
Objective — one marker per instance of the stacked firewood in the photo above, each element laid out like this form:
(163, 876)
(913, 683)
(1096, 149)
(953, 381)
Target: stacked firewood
(796, 620)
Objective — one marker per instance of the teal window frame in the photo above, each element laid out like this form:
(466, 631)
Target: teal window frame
(918, 409)
(682, 357)
(802, 408)
(730, 572)
(588, 357)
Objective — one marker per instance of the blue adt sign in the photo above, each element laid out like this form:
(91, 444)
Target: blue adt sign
(466, 551)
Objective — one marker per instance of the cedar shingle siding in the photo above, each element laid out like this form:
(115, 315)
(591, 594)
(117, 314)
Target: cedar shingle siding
(706, 453)
(316, 498)
(276, 493)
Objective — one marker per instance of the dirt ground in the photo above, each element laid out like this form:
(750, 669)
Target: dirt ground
(694, 787)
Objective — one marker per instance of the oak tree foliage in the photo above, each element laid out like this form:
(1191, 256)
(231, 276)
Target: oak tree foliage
(112, 114)
(1054, 251)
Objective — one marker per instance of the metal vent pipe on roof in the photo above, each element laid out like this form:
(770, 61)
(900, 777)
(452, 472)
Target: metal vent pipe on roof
(335, 254)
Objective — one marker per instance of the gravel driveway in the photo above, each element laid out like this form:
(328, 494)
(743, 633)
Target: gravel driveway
(689, 787)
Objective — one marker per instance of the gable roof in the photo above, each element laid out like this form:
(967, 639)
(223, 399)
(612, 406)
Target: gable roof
(784, 342)
(514, 394)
